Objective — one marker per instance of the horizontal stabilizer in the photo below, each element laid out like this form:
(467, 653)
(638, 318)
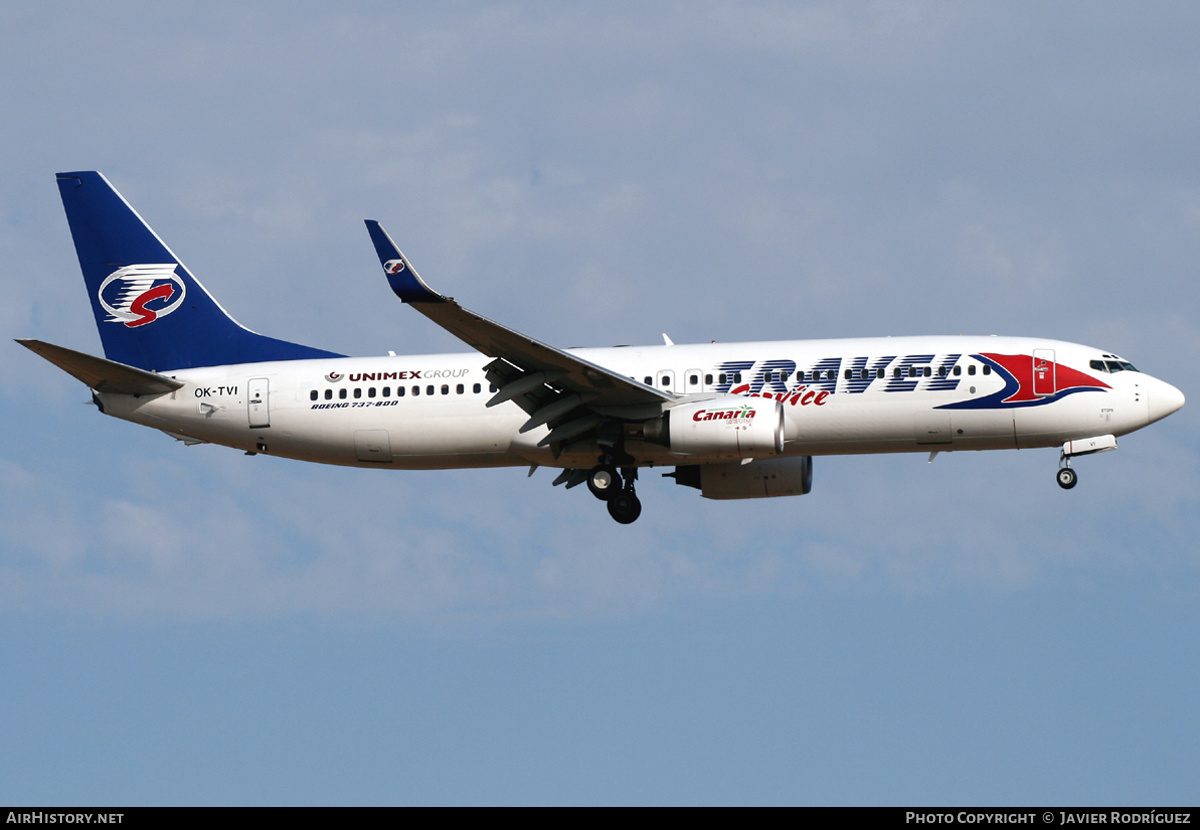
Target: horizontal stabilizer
(103, 375)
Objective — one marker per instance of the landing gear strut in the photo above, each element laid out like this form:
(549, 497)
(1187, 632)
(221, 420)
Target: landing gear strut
(1065, 476)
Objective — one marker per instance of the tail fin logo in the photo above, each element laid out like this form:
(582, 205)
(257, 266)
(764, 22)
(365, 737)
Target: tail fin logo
(139, 294)
(394, 266)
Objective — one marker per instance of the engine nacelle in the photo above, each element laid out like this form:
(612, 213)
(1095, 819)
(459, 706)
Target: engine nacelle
(729, 427)
(760, 479)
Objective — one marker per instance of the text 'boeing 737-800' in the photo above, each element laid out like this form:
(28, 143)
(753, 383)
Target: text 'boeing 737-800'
(734, 420)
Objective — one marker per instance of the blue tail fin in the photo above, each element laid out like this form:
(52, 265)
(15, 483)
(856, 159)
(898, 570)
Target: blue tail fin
(151, 312)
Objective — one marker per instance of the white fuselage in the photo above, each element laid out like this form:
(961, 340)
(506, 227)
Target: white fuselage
(871, 395)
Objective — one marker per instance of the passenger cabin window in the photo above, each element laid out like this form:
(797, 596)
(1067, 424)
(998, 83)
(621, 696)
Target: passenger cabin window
(416, 391)
(928, 371)
(987, 370)
(445, 389)
(957, 371)
(357, 392)
(693, 380)
(476, 388)
(708, 380)
(879, 373)
(429, 389)
(342, 394)
(312, 396)
(399, 391)
(328, 394)
(371, 392)
(459, 389)
(971, 369)
(649, 381)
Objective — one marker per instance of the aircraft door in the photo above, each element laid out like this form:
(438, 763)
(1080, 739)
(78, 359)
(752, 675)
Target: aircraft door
(666, 380)
(258, 402)
(693, 381)
(1044, 381)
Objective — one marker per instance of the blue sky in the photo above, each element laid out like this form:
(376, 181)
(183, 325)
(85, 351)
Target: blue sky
(188, 625)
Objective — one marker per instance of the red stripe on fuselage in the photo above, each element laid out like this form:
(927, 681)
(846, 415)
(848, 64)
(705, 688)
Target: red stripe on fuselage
(1020, 367)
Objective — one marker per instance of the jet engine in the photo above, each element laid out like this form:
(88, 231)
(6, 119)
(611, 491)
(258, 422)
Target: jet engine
(730, 427)
(761, 478)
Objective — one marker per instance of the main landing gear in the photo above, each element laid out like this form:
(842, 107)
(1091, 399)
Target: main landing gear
(625, 506)
(606, 484)
(604, 481)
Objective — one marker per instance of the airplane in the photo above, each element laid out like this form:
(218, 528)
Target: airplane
(733, 420)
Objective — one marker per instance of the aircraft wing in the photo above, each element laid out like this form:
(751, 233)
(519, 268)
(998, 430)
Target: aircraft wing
(542, 379)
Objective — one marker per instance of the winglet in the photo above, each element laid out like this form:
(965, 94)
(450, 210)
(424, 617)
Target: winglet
(402, 277)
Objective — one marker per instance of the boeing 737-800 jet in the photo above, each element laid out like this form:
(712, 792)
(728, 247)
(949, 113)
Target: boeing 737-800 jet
(735, 420)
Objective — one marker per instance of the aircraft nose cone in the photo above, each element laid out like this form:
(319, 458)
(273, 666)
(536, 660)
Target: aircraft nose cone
(1164, 399)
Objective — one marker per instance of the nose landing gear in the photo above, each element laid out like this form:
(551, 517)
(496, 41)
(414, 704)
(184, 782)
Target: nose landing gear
(1066, 477)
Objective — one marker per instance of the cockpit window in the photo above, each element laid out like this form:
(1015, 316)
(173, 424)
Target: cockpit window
(1119, 366)
(1114, 364)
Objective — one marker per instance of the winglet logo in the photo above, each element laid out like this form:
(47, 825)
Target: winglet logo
(394, 266)
(139, 294)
